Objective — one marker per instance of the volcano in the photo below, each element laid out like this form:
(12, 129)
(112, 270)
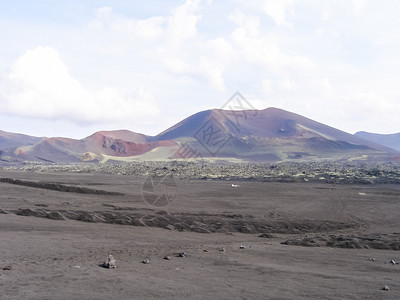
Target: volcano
(271, 134)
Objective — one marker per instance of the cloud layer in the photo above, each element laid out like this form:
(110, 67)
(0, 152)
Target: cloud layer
(40, 85)
(334, 61)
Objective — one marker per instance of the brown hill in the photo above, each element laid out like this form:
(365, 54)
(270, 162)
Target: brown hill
(120, 143)
(270, 135)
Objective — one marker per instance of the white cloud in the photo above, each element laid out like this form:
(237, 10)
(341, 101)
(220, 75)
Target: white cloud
(262, 50)
(266, 86)
(278, 10)
(148, 29)
(358, 6)
(221, 50)
(326, 15)
(184, 54)
(203, 70)
(104, 12)
(311, 57)
(182, 24)
(249, 23)
(170, 40)
(288, 84)
(39, 85)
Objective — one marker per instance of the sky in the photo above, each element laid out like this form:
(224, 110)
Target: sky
(70, 68)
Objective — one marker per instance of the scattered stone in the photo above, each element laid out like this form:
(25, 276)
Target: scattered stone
(235, 185)
(166, 257)
(392, 262)
(385, 288)
(7, 268)
(110, 263)
(242, 246)
(78, 267)
(222, 250)
(145, 261)
(371, 259)
(205, 250)
(182, 254)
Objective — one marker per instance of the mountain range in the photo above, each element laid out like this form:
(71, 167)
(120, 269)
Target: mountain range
(388, 140)
(271, 134)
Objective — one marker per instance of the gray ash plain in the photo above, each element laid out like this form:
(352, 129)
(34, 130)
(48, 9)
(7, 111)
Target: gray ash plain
(308, 229)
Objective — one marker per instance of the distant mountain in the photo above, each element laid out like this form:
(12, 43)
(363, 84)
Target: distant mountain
(388, 140)
(10, 140)
(255, 135)
(125, 135)
(119, 143)
(269, 134)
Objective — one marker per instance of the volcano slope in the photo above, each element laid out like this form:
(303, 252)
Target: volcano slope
(268, 135)
(55, 239)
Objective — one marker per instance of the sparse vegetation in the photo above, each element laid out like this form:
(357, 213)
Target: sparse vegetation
(328, 172)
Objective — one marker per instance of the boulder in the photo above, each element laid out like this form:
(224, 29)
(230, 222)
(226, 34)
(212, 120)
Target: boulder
(110, 263)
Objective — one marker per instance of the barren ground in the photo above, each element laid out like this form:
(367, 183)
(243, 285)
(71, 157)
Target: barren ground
(56, 228)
